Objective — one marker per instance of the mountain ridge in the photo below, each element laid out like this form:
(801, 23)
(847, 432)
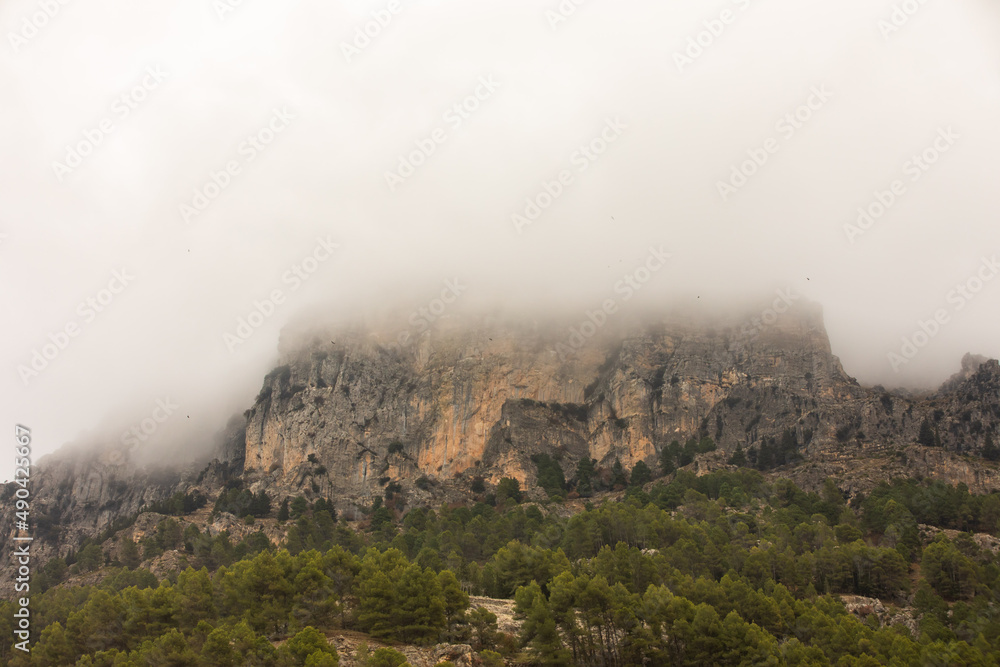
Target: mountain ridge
(348, 412)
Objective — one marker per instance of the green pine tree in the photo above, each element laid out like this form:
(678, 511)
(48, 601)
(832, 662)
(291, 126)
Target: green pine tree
(585, 476)
(641, 474)
(130, 554)
(618, 477)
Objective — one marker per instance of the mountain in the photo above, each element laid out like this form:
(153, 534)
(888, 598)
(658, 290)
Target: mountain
(352, 409)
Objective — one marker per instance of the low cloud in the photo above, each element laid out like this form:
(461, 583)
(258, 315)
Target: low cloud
(506, 201)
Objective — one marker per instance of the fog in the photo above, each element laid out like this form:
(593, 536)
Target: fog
(178, 164)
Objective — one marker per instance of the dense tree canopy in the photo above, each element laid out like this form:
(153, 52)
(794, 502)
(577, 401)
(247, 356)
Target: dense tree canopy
(722, 569)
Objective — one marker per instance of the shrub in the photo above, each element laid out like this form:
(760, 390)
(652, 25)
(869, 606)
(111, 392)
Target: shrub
(385, 657)
(491, 659)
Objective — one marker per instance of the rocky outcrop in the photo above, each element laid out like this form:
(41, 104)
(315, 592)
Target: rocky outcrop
(985, 541)
(481, 398)
(355, 650)
(82, 492)
(78, 494)
(369, 411)
(502, 609)
(860, 471)
(970, 365)
(864, 608)
(486, 397)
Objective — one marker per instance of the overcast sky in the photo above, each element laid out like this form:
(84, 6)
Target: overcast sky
(174, 163)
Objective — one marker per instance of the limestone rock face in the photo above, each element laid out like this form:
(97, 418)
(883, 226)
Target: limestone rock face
(74, 495)
(79, 494)
(480, 398)
(439, 407)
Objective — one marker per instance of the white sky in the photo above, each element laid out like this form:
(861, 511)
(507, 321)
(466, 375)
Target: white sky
(323, 176)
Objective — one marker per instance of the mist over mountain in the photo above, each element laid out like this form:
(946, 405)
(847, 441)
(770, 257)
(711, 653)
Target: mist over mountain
(478, 334)
(379, 398)
(285, 138)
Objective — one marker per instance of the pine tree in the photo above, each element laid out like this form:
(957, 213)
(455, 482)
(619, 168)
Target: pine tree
(399, 600)
(194, 597)
(342, 568)
(307, 643)
(550, 474)
(619, 479)
(990, 451)
(382, 516)
(130, 554)
(456, 601)
(217, 649)
(667, 460)
(739, 457)
(508, 488)
(299, 507)
(260, 505)
(926, 436)
(484, 624)
(641, 474)
(539, 629)
(585, 476)
(687, 454)
(55, 647)
(90, 558)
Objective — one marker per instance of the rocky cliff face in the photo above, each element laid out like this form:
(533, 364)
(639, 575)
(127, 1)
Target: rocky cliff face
(352, 410)
(83, 491)
(79, 494)
(482, 398)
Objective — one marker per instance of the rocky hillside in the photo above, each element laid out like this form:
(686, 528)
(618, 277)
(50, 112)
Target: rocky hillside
(353, 410)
